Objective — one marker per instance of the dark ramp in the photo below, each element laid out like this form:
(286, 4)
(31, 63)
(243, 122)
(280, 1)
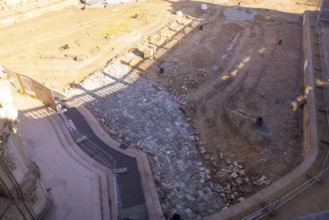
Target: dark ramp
(132, 201)
(316, 216)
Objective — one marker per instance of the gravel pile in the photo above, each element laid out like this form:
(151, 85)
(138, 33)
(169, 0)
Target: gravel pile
(150, 119)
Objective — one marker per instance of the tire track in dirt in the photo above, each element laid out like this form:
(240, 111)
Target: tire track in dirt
(215, 97)
(67, 31)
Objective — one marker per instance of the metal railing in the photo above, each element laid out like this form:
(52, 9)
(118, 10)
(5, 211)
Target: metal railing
(268, 209)
(81, 140)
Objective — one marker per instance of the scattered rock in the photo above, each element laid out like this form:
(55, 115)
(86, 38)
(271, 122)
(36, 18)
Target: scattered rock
(267, 182)
(65, 47)
(262, 178)
(150, 119)
(262, 181)
(234, 175)
(179, 13)
(236, 169)
(239, 181)
(169, 186)
(78, 59)
(247, 189)
(157, 179)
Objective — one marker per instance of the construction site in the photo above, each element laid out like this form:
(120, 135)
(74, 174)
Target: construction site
(161, 109)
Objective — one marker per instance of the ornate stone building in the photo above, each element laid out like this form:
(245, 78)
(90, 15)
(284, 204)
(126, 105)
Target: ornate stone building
(21, 194)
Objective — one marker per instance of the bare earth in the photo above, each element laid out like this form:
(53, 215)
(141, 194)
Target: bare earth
(228, 74)
(228, 65)
(36, 47)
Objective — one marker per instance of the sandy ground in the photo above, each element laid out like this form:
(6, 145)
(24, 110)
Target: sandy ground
(37, 47)
(227, 65)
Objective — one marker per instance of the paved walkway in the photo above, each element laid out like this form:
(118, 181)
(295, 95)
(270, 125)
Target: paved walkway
(130, 192)
(128, 181)
(73, 186)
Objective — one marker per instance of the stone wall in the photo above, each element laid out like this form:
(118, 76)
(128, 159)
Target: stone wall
(20, 187)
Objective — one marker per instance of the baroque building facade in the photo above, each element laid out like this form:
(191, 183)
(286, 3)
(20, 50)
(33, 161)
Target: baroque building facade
(21, 193)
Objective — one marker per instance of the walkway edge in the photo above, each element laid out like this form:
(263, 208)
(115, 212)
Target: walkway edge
(151, 196)
(102, 195)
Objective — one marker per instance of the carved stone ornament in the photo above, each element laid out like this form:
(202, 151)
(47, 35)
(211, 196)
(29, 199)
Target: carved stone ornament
(11, 215)
(35, 170)
(9, 158)
(7, 125)
(32, 196)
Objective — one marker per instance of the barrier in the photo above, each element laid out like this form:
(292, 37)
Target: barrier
(37, 90)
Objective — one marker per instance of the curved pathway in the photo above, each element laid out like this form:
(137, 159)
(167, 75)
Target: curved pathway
(131, 199)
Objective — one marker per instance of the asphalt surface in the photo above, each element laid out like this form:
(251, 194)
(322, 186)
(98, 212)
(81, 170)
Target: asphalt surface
(131, 197)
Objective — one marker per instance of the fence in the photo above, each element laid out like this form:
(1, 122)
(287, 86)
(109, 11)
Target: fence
(37, 90)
